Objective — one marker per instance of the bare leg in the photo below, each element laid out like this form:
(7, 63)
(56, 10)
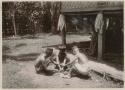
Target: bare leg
(82, 69)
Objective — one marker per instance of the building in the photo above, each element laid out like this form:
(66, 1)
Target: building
(82, 12)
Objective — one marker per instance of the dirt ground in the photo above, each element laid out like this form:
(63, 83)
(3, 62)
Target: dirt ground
(18, 66)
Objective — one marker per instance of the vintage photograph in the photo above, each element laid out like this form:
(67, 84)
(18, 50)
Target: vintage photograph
(62, 44)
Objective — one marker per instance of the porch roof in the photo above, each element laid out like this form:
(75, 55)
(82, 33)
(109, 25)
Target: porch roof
(82, 6)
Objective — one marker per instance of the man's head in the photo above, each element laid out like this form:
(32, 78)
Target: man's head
(75, 50)
(62, 48)
(48, 52)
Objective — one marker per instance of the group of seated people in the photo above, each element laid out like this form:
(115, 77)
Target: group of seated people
(59, 60)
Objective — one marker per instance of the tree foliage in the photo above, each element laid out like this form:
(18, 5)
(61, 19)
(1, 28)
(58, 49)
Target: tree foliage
(30, 17)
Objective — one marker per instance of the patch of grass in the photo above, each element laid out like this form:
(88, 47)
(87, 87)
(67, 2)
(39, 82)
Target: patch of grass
(23, 57)
(27, 57)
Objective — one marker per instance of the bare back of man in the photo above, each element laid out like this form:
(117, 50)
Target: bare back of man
(43, 60)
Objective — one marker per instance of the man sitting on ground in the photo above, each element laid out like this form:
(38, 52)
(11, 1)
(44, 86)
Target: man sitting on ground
(79, 63)
(53, 56)
(43, 61)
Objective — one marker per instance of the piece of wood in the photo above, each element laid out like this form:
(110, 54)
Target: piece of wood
(103, 68)
(63, 33)
(100, 46)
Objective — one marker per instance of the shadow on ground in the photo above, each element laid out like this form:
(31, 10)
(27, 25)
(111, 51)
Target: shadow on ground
(20, 45)
(22, 57)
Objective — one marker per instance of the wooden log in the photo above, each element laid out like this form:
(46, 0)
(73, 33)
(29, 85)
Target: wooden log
(103, 68)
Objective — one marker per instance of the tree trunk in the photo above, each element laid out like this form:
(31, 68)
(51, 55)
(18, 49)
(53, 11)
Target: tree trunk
(14, 25)
(34, 31)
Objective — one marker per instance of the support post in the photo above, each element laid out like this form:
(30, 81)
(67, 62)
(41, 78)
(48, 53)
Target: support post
(100, 46)
(63, 33)
(99, 28)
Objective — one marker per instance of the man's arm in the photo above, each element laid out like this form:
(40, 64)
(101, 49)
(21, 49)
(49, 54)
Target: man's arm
(54, 60)
(72, 61)
(58, 62)
(64, 62)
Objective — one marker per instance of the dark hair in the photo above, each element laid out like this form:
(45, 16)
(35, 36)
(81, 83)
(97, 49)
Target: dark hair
(62, 48)
(48, 52)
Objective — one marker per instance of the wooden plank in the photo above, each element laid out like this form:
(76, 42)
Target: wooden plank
(94, 12)
(103, 68)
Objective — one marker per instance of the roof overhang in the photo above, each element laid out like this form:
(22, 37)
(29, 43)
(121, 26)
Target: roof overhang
(87, 6)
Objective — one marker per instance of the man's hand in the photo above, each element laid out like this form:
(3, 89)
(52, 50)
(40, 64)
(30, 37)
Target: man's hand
(63, 64)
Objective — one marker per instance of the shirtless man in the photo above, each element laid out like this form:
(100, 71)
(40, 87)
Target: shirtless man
(51, 55)
(79, 63)
(82, 61)
(55, 58)
(43, 61)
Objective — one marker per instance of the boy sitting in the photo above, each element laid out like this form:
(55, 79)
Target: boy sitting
(43, 61)
(79, 63)
(53, 56)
